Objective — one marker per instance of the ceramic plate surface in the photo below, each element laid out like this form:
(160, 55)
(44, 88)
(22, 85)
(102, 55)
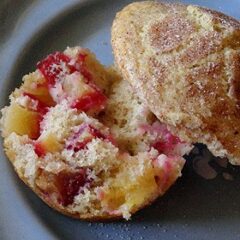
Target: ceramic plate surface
(194, 208)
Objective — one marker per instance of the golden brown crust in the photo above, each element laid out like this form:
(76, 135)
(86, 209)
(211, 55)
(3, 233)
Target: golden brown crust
(184, 62)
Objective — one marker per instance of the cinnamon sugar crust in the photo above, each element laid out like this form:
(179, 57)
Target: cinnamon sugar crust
(183, 62)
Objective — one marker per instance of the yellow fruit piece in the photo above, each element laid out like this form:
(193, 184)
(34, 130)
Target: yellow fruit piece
(75, 86)
(50, 143)
(42, 94)
(129, 191)
(21, 121)
(143, 191)
(35, 84)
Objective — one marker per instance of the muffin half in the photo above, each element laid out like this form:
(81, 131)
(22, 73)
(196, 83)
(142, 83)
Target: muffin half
(82, 140)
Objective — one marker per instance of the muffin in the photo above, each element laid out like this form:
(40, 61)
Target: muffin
(81, 139)
(184, 63)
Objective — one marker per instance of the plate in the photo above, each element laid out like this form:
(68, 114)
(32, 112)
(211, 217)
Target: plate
(194, 208)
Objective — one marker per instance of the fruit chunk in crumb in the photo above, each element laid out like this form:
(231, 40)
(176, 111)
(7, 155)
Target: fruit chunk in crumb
(70, 79)
(167, 143)
(63, 186)
(82, 136)
(84, 97)
(21, 121)
(163, 140)
(35, 84)
(39, 107)
(55, 66)
(47, 143)
(94, 101)
(128, 190)
(69, 184)
(74, 86)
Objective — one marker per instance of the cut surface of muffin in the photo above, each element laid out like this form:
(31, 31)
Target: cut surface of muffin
(79, 136)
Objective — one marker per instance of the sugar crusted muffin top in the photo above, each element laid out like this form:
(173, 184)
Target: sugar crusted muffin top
(183, 61)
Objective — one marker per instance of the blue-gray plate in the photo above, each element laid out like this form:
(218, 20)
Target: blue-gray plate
(194, 208)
